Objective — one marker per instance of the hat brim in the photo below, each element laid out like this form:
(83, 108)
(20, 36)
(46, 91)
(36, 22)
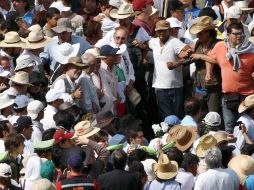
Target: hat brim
(32, 115)
(91, 133)
(104, 122)
(247, 9)
(38, 45)
(113, 13)
(20, 83)
(7, 104)
(162, 28)
(166, 175)
(59, 29)
(242, 108)
(44, 145)
(201, 152)
(20, 44)
(195, 29)
(62, 59)
(190, 142)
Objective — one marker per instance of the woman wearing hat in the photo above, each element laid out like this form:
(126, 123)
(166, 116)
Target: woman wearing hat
(207, 78)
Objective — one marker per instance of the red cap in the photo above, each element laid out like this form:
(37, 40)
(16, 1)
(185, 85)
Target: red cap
(62, 135)
(137, 5)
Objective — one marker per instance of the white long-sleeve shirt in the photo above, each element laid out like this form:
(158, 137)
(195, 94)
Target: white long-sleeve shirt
(48, 121)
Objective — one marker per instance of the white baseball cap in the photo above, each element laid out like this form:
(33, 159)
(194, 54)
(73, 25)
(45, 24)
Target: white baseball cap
(115, 3)
(212, 119)
(5, 170)
(33, 108)
(21, 101)
(53, 95)
(234, 12)
(174, 22)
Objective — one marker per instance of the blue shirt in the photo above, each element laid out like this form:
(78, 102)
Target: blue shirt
(189, 121)
(165, 185)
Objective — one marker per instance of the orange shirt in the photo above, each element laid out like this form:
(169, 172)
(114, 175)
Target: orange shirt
(236, 82)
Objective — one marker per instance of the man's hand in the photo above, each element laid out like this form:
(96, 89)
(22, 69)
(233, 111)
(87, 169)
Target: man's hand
(195, 56)
(81, 140)
(172, 65)
(77, 94)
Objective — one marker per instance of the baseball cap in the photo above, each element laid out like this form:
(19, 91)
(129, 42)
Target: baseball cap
(33, 108)
(5, 170)
(174, 22)
(23, 121)
(108, 50)
(162, 25)
(24, 61)
(234, 12)
(172, 120)
(212, 119)
(21, 101)
(75, 160)
(139, 4)
(53, 95)
(62, 135)
(175, 5)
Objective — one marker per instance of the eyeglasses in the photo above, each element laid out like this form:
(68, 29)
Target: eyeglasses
(237, 33)
(120, 38)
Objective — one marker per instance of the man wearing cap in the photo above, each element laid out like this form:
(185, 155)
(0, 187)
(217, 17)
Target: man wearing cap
(5, 178)
(166, 50)
(25, 63)
(6, 106)
(64, 32)
(63, 139)
(54, 99)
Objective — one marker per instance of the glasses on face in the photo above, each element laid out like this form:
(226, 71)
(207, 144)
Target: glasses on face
(120, 38)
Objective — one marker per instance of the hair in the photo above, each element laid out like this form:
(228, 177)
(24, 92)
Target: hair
(138, 168)
(237, 26)
(40, 152)
(9, 25)
(48, 134)
(13, 141)
(119, 159)
(120, 28)
(52, 11)
(65, 119)
(213, 158)
(176, 155)
(247, 149)
(189, 160)
(128, 121)
(208, 11)
(227, 154)
(137, 155)
(98, 136)
(91, 29)
(3, 127)
(191, 106)
(213, 33)
(132, 132)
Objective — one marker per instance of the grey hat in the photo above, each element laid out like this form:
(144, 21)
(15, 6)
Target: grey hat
(24, 61)
(63, 25)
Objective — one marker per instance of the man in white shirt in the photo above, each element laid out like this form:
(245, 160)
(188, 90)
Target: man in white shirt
(168, 83)
(216, 177)
(54, 99)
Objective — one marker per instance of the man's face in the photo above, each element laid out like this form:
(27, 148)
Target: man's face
(236, 36)
(53, 20)
(19, 4)
(147, 9)
(64, 37)
(139, 139)
(120, 37)
(3, 3)
(163, 35)
(179, 14)
(174, 32)
(74, 71)
(112, 60)
(27, 132)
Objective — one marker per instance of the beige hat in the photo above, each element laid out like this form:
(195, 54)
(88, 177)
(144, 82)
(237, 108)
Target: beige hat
(206, 142)
(85, 129)
(243, 165)
(12, 39)
(87, 59)
(125, 11)
(36, 40)
(5, 101)
(172, 133)
(35, 28)
(222, 136)
(162, 25)
(63, 25)
(243, 5)
(21, 77)
(247, 104)
(203, 23)
(134, 97)
(165, 169)
(95, 52)
(75, 61)
(43, 184)
(251, 39)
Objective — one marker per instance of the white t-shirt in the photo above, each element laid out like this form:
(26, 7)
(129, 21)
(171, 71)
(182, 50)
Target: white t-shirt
(215, 179)
(164, 78)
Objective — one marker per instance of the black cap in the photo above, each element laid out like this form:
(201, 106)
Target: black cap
(108, 50)
(24, 121)
(175, 5)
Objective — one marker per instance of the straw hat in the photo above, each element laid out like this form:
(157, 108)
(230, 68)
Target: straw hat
(35, 27)
(222, 136)
(85, 129)
(247, 104)
(243, 165)
(63, 25)
(134, 97)
(184, 137)
(12, 39)
(5, 101)
(125, 11)
(206, 142)
(21, 77)
(243, 5)
(77, 61)
(64, 51)
(172, 133)
(203, 23)
(36, 40)
(165, 169)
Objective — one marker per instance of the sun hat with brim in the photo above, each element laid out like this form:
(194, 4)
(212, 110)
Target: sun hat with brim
(64, 51)
(206, 142)
(125, 11)
(243, 165)
(95, 52)
(21, 78)
(77, 61)
(5, 170)
(5, 101)
(43, 145)
(165, 169)
(172, 133)
(85, 129)
(88, 59)
(63, 25)
(162, 25)
(234, 12)
(115, 147)
(243, 5)
(104, 119)
(222, 136)
(203, 23)
(36, 40)
(247, 104)
(174, 22)
(12, 39)
(24, 61)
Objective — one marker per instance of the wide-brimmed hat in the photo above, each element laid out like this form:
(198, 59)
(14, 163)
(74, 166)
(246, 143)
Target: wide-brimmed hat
(243, 165)
(247, 104)
(34, 108)
(12, 39)
(21, 78)
(5, 101)
(184, 138)
(77, 61)
(206, 142)
(203, 23)
(44, 145)
(24, 61)
(172, 133)
(165, 169)
(234, 12)
(162, 25)
(36, 40)
(63, 25)
(243, 5)
(85, 129)
(104, 119)
(35, 27)
(125, 11)
(64, 51)
(222, 136)
(95, 52)
(134, 97)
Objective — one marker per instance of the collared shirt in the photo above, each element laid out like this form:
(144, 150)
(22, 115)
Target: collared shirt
(189, 121)
(186, 179)
(29, 148)
(48, 121)
(168, 184)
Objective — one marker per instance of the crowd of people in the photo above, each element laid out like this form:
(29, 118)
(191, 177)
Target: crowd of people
(126, 95)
